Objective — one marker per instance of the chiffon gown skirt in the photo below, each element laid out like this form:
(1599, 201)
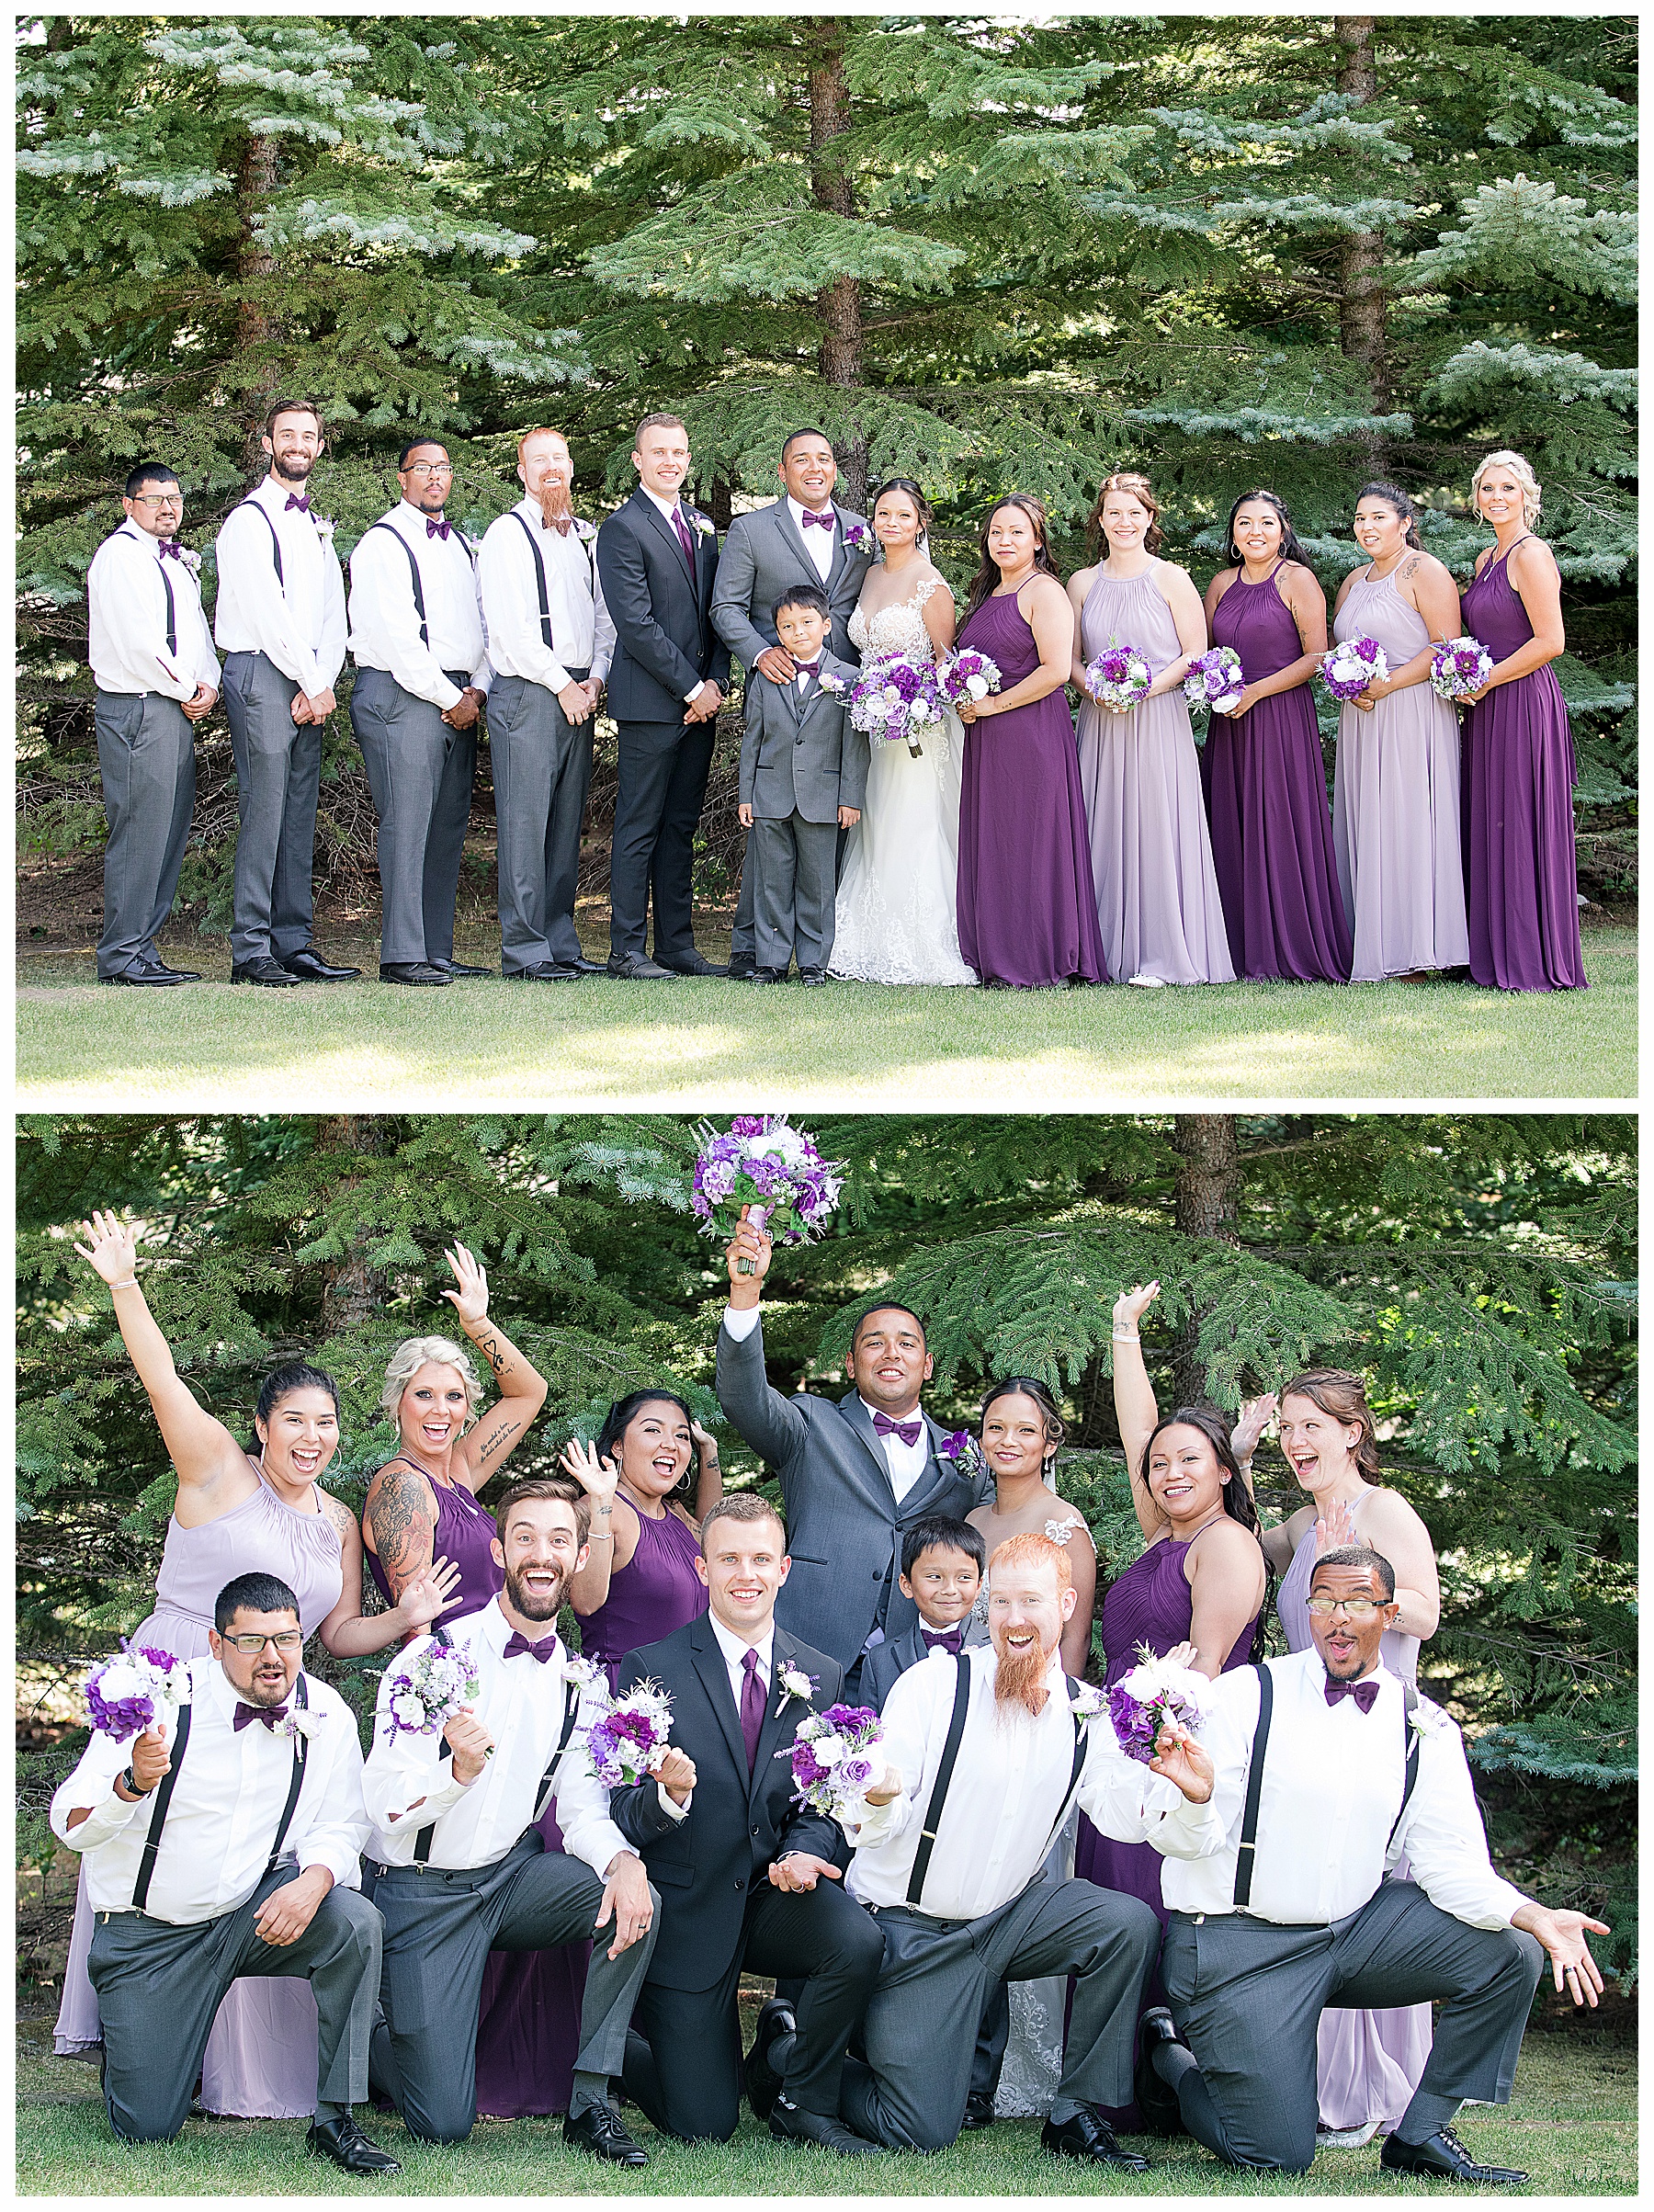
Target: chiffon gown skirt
(1027, 906)
(894, 920)
(1396, 805)
(1368, 2063)
(1151, 854)
(260, 2062)
(1520, 884)
(1267, 795)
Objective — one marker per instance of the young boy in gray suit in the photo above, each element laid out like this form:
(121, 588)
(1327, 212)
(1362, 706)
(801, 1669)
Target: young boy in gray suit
(803, 775)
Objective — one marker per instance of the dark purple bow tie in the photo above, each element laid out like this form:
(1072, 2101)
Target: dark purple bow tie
(541, 1651)
(908, 1431)
(437, 530)
(817, 522)
(806, 667)
(169, 548)
(268, 1714)
(300, 500)
(950, 1639)
(1363, 1693)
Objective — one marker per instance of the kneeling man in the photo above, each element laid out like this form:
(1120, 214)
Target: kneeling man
(1327, 1768)
(462, 1868)
(226, 1844)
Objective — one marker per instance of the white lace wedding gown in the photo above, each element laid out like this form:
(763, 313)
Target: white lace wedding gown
(895, 919)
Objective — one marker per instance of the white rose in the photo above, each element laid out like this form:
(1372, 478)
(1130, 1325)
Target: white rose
(1141, 1684)
(977, 685)
(830, 1749)
(121, 1679)
(408, 1709)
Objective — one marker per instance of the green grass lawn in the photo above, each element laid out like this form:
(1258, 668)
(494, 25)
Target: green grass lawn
(1571, 2124)
(699, 1044)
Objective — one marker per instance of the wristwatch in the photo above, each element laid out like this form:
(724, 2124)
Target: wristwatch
(129, 1781)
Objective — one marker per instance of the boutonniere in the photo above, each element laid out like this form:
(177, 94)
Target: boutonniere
(1429, 1719)
(1088, 1702)
(192, 562)
(960, 1449)
(303, 1720)
(584, 531)
(795, 1683)
(833, 684)
(858, 537)
(702, 525)
(588, 1676)
(325, 529)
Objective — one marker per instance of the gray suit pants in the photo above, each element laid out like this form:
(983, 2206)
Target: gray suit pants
(277, 774)
(146, 757)
(158, 1988)
(1248, 1996)
(921, 2020)
(439, 1928)
(795, 881)
(419, 770)
(542, 770)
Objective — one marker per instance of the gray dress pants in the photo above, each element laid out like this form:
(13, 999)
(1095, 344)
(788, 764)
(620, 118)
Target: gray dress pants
(795, 879)
(278, 775)
(159, 1986)
(146, 757)
(542, 771)
(420, 770)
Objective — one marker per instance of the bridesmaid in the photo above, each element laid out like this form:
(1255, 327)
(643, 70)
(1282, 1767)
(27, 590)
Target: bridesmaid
(1151, 854)
(1520, 884)
(1266, 782)
(638, 1582)
(1020, 1430)
(1396, 786)
(1028, 907)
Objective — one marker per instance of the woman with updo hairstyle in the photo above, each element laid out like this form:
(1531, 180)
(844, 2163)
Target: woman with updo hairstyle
(1019, 1431)
(1521, 877)
(1396, 784)
(1151, 854)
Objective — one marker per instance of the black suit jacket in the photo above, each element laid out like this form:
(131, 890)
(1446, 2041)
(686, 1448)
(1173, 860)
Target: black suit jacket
(665, 647)
(707, 1866)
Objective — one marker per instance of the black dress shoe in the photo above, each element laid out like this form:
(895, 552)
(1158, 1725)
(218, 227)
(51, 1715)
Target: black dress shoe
(598, 2129)
(265, 970)
(1157, 2102)
(458, 968)
(813, 978)
(173, 975)
(767, 975)
(740, 969)
(794, 2125)
(1442, 2158)
(637, 967)
(409, 972)
(342, 2141)
(693, 963)
(310, 968)
(544, 971)
(776, 2018)
(1087, 2136)
(979, 2111)
(584, 967)
(143, 975)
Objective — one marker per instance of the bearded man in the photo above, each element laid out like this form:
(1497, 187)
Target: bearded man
(983, 1758)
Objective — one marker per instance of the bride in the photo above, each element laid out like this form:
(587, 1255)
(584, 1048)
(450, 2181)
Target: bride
(894, 920)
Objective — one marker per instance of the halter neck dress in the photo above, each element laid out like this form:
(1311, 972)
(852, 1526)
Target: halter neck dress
(654, 1595)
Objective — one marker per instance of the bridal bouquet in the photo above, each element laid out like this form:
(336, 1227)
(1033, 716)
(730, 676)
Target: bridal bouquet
(1214, 679)
(630, 1739)
(828, 1754)
(125, 1694)
(897, 696)
(967, 677)
(1154, 1692)
(1118, 678)
(1459, 667)
(772, 1169)
(426, 1693)
(1352, 665)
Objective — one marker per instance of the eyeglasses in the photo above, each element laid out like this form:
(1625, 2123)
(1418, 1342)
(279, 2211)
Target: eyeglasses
(1355, 1608)
(250, 1646)
(159, 499)
(430, 468)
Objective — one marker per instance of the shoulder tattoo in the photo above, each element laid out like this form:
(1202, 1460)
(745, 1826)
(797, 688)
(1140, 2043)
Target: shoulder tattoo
(399, 1515)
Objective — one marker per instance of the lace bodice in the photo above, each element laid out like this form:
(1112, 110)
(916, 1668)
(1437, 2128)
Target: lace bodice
(899, 628)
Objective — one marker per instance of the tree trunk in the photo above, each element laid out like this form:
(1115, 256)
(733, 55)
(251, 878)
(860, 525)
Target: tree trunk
(1207, 1201)
(721, 506)
(257, 330)
(353, 1289)
(838, 304)
(1363, 304)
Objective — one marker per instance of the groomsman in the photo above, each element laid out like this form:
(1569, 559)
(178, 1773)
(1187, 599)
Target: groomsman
(1324, 1768)
(551, 642)
(802, 538)
(462, 1866)
(223, 1844)
(157, 677)
(279, 622)
(422, 673)
(657, 561)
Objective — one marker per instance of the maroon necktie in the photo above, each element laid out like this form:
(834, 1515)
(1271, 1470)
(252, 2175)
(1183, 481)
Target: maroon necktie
(817, 522)
(298, 500)
(169, 548)
(950, 1639)
(1364, 1693)
(751, 1707)
(245, 1714)
(907, 1430)
(541, 1651)
(681, 527)
(437, 530)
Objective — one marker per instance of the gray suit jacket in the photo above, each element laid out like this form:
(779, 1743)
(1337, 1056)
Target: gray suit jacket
(798, 752)
(763, 555)
(843, 1525)
(886, 1663)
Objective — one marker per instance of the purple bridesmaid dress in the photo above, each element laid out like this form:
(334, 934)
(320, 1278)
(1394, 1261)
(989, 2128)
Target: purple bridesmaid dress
(1266, 794)
(1028, 907)
(1521, 886)
(656, 1593)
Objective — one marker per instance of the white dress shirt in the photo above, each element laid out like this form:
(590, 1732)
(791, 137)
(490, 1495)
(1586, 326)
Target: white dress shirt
(1332, 1781)
(125, 600)
(734, 1657)
(299, 623)
(384, 620)
(408, 1783)
(582, 636)
(1005, 1797)
(225, 1807)
(820, 544)
(906, 1462)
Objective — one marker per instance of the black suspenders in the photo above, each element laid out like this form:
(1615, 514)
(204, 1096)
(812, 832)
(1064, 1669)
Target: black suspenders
(172, 612)
(542, 1796)
(151, 1842)
(424, 634)
(540, 577)
(275, 540)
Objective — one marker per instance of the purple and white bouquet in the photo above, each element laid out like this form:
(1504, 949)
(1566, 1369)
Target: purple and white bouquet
(1352, 665)
(126, 1694)
(431, 1688)
(1214, 679)
(967, 676)
(630, 1739)
(1154, 1692)
(1459, 667)
(773, 1170)
(1118, 678)
(898, 697)
(829, 1757)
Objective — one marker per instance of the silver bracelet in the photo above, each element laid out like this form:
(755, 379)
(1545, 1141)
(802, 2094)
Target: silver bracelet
(131, 1284)
(607, 1536)
(1126, 1336)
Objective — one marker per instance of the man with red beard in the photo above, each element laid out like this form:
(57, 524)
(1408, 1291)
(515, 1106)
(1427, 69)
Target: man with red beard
(983, 1758)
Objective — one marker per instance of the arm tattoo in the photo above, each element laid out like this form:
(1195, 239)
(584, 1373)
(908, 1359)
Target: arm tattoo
(489, 1345)
(497, 1435)
(398, 1514)
(337, 1513)
(1409, 567)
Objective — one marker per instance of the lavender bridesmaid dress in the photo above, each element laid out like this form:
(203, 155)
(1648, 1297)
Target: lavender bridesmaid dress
(1266, 793)
(260, 2062)
(1521, 882)
(1368, 2063)
(1028, 907)
(656, 1593)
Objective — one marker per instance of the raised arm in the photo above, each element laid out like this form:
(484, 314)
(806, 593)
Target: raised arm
(423, 1587)
(772, 1425)
(1393, 1528)
(487, 1445)
(614, 1527)
(1135, 1409)
(708, 1482)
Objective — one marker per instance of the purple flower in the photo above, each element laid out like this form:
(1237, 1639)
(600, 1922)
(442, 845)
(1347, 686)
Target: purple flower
(848, 1719)
(952, 1446)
